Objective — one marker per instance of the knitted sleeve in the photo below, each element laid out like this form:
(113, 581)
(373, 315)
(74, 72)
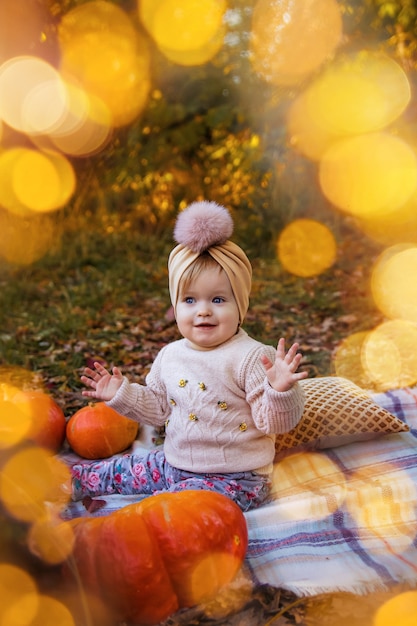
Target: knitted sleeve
(143, 403)
(273, 411)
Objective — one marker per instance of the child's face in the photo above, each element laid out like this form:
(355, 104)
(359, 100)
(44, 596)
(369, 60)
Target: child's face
(207, 313)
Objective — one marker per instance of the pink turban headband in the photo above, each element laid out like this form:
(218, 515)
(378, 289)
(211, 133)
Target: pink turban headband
(206, 227)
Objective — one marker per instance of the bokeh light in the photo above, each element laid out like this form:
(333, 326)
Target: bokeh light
(19, 597)
(78, 110)
(394, 228)
(85, 131)
(57, 114)
(312, 471)
(394, 283)
(359, 94)
(102, 51)
(42, 182)
(103, 81)
(347, 360)
(14, 423)
(387, 518)
(92, 134)
(24, 240)
(180, 27)
(306, 135)
(18, 378)
(8, 198)
(86, 608)
(306, 248)
(51, 540)
(211, 573)
(278, 52)
(52, 612)
(389, 355)
(369, 175)
(197, 56)
(34, 181)
(400, 610)
(36, 95)
(180, 33)
(27, 494)
(7, 390)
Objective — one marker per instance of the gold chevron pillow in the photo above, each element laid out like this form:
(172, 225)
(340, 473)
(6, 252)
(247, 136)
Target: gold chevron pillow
(337, 412)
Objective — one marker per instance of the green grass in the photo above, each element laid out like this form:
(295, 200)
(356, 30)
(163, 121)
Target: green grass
(104, 295)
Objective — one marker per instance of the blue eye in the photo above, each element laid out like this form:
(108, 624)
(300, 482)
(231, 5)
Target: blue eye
(218, 300)
(189, 300)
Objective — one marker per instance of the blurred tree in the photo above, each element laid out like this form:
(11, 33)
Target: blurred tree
(218, 130)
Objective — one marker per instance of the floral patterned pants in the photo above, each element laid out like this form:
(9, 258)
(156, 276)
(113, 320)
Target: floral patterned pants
(151, 474)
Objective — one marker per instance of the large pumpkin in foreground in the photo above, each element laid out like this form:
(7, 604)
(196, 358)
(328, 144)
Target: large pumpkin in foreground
(169, 551)
(97, 431)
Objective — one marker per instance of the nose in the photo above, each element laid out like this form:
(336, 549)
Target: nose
(204, 310)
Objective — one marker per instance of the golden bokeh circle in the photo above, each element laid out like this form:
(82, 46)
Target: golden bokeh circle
(394, 282)
(389, 355)
(306, 247)
(369, 175)
(278, 53)
(33, 481)
(401, 610)
(359, 94)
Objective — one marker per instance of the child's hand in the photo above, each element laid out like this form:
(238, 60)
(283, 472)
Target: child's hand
(282, 374)
(104, 384)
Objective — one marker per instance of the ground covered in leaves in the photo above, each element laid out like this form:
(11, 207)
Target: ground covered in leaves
(64, 313)
(277, 607)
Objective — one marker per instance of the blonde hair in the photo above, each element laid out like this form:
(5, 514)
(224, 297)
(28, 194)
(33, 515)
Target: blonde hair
(203, 262)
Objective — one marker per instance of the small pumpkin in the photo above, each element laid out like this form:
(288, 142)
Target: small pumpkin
(47, 419)
(169, 551)
(97, 431)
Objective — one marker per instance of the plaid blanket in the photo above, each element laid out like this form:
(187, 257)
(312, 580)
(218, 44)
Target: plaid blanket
(342, 519)
(345, 519)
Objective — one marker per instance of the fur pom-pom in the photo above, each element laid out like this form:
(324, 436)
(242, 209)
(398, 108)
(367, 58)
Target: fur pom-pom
(202, 225)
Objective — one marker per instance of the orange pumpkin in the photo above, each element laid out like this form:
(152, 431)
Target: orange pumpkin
(47, 419)
(97, 431)
(167, 552)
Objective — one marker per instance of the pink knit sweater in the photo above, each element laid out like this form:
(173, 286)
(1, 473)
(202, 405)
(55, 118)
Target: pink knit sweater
(220, 412)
